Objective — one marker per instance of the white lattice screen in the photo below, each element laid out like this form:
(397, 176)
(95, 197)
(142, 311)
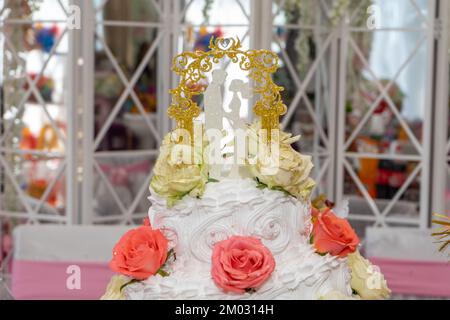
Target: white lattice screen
(112, 96)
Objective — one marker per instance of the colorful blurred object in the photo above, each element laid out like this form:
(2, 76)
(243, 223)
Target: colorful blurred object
(45, 86)
(147, 97)
(107, 85)
(46, 37)
(37, 187)
(48, 139)
(368, 172)
(29, 140)
(203, 38)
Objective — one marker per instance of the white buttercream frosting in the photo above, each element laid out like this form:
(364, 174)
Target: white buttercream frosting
(238, 207)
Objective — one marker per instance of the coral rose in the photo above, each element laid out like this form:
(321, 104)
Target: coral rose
(146, 222)
(240, 264)
(333, 235)
(140, 253)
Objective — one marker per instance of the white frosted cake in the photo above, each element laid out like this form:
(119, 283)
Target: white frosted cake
(244, 229)
(227, 208)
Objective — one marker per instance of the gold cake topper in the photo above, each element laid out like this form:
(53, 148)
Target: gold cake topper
(193, 66)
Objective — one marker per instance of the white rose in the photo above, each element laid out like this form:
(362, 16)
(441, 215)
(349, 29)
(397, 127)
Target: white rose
(113, 290)
(289, 172)
(176, 174)
(367, 280)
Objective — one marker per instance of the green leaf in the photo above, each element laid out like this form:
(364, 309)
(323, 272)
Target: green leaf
(170, 254)
(250, 290)
(212, 180)
(319, 201)
(444, 246)
(443, 223)
(163, 273)
(441, 216)
(282, 190)
(172, 200)
(260, 185)
(442, 234)
(129, 282)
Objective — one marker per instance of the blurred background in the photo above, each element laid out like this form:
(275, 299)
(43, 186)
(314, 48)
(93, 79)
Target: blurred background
(84, 95)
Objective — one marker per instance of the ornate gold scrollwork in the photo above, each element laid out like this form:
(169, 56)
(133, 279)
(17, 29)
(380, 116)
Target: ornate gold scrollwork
(192, 67)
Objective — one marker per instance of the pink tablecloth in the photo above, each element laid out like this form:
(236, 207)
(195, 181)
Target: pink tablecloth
(37, 280)
(421, 278)
(48, 280)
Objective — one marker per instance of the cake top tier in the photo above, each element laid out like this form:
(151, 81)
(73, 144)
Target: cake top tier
(224, 145)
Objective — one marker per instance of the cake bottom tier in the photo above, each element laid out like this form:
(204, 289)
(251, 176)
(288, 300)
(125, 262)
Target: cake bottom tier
(300, 274)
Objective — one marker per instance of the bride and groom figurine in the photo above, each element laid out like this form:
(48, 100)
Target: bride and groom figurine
(214, 113)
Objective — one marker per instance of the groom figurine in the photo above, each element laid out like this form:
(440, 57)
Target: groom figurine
(214, 112)
(213, 100)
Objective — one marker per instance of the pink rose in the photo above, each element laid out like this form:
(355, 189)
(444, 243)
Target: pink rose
(140, 253)
(241, 263)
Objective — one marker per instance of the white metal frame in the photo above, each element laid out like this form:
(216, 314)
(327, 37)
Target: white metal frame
(336, 144)
(81, 155)
(381, 218)
(91, 143)
(32, 213)
(318, 74)
(441, 146)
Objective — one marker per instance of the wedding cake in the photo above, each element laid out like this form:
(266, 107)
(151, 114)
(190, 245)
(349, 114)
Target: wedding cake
(236, 225)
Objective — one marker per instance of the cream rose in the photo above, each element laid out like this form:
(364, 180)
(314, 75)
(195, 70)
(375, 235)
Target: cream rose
(179, 170)
(288, 171)
(367, 280)
(113, 290)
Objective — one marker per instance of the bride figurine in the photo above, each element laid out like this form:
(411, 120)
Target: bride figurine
(234, 117)
(237, 86)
